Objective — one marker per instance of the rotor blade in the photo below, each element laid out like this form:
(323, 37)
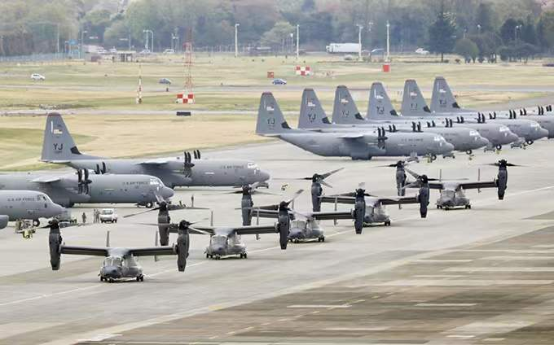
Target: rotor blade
(326, 175)
(296, 194)
(326, 184)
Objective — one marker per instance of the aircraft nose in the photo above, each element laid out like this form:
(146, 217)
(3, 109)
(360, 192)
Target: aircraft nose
(483, 142)
(264, 176)
(58, 209)
(112, 272)
(448, 147)
(512, 137)
(167, 193)
(543, 133)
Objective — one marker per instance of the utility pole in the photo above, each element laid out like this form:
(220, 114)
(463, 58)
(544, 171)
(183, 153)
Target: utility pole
(388, 41)
(360, 27)
(297, 41)
(83, 32)
(237, 40)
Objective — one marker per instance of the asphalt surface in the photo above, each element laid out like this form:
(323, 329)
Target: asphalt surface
(460, 276)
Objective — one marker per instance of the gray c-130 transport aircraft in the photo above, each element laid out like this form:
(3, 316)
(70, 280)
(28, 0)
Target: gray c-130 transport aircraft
(26, 205)
(59, 147)
(355, 144)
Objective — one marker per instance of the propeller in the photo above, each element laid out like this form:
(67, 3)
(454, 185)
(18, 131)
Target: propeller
(251, 189)
(504, 163)
(83, 181)
(187, 164)
(101, 169)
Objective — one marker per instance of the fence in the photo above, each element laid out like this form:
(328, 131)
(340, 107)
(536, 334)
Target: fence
(33, 58)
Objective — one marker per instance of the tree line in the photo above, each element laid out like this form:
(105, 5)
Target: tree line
(478, 30)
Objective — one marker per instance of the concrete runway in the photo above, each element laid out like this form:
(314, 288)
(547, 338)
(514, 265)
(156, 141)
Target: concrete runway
(462, 276)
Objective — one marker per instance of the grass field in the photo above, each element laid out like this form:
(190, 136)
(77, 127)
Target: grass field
(104, 96)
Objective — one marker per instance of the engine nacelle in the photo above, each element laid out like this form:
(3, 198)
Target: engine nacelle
(4, 219)
(55, 242)
(358, 214)
(283, 228)
(182, 250)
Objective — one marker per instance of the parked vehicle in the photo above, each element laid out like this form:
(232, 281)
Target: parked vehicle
(165, 81)
(279, 81)
(343, 48)
(36, 76)
(108, 215)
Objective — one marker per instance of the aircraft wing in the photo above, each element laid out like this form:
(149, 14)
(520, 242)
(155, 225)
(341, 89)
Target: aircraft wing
(46, 179)
(393, 200)
(84, 251)
(436, 185)
(333, 215)
(153, 251)
(155, 162)
(255, 229)
(477, 185)
(338, 199)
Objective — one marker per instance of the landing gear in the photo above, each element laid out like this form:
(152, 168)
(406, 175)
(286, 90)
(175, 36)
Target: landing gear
(498, 147)
(358, 231)
(243, 255)
(36, 222)
(140, 278)
(529, 142)
(469, 152)
(387, 223)
(321, 239)
(102, 279)
(468, 206)
(148, 205)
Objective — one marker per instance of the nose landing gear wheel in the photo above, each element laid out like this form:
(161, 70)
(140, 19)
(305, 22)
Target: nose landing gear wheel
(148, 205)
(387, 223)
(321, 239)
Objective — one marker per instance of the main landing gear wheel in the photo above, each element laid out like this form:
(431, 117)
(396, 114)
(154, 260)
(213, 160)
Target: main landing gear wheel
(469, 152)
(498, 147)
(36, 222)
(433, 157)
(102, 279)
(529, 142)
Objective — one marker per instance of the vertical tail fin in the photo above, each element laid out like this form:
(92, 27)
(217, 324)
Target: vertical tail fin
(58, 145)
(443, 100)
(345, 110)
(312, 114)
(413, 102)
(379, 103)
(270, 118)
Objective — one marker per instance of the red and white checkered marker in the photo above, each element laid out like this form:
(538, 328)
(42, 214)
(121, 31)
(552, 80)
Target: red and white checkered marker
(303, 71)
(185, 98)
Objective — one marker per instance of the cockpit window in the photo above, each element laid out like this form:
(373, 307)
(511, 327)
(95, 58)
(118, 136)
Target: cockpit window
(503, 129)
(252, 165)
(473, 133)
(155, 181)
(113, 261)
(437, 138)
(219, 240)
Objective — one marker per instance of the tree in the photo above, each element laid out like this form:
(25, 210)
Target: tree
(485, 17)
(508, 30)
(441, 33)
(278, 35)
(308, 6)
(466, 48)
(546, 29)
(528, 32)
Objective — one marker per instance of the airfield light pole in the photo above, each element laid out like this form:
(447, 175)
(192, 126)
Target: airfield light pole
(360, 27)
(297, 41)
(83, 32)
(388, 41)
(517, 27)
(237, 40)
(479, 29)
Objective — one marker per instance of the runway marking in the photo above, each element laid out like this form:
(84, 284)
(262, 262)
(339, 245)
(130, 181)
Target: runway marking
(445, 276)
(462, 283)
(545, 246)
(342, 306)
(461, 336)
(443, 261)
(500, 269)
(446, 304)
(519, 258)
(494, 339)
(99, 338)
(359, 329)
(49, 295)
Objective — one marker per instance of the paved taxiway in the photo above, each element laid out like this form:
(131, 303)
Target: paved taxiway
(464, 276)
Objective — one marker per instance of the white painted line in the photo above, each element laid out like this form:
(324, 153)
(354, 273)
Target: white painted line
(461, 336)
(494, 339)
(361, 329)
(500, 269)
(99, 338)
(545, 246)
(343, 306)
(443, 261)
(519, 258)
(446, 304)
(418, 283)
(444, 276)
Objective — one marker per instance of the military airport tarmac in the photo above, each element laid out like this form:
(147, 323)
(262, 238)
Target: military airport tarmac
(462, 276)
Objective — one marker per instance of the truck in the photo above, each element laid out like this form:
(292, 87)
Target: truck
(343, 48)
